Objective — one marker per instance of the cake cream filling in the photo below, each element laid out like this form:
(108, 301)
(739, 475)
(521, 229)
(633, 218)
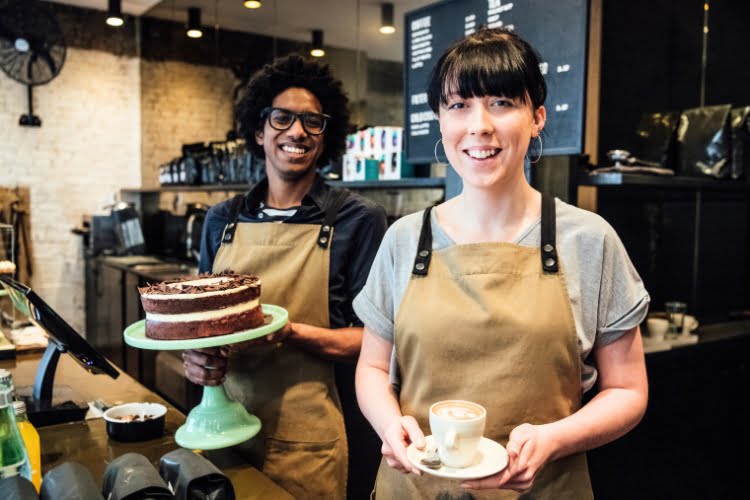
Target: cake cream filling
(192, 296)
(204, 315)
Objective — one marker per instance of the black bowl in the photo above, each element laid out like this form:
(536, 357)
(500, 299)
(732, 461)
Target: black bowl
(135, 421)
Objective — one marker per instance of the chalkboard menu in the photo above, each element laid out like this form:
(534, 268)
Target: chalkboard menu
(557, 29)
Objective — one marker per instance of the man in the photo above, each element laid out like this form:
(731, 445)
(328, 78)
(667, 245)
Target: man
(312, 247)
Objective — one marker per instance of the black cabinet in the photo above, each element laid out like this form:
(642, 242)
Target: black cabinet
(686, 236)
(113, 303)
(104, 313)
(693, 440)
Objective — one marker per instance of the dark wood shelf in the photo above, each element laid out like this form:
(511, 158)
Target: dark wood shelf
(660, 181)
(181, 188)
(409, 183)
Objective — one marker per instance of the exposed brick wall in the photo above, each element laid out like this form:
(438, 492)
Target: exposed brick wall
(87, 148)
(181, 103)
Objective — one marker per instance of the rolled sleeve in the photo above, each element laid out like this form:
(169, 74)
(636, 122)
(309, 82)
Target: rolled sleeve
(621, 326)
(623, 299)
(372, 317)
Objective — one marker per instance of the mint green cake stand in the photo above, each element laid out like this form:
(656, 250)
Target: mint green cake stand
(218, 421)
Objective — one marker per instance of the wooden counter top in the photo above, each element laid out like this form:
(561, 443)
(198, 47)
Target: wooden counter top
(87, 442)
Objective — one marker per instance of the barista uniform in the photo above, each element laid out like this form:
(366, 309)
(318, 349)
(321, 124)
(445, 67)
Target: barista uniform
(494, 323)
(312, 260)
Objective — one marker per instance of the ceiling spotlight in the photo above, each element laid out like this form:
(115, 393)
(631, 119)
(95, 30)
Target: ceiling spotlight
(252, 4)
(114, 13)
(194, 22)
(317, 44)
(386, 19)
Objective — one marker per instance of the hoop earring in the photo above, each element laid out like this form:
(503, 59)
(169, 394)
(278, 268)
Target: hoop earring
(541, 148)
(436, 145)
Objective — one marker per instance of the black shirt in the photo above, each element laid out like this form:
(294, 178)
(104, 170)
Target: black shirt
(359, 228)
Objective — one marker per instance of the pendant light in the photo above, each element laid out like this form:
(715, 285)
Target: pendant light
(194, 22)
(114, 13)
(252, 4)
(317, 44)
(386, 19)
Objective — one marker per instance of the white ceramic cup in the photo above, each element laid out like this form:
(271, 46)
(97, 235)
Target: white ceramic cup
(657, 328)
(457, 427)
(689, 323)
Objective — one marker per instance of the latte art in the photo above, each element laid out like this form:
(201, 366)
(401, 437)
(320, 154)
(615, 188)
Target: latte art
(458, 411)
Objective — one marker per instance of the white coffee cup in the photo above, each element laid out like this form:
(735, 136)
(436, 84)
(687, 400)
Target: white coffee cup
(689, 323)
(457, 427)
(657, 328)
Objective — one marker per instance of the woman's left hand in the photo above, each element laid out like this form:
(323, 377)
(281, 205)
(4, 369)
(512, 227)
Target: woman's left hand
(529, 448)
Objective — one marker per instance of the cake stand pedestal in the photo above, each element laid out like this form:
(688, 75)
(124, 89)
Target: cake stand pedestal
(218, 421)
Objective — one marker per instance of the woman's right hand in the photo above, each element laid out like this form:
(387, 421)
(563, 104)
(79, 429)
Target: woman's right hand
(398, 435)
(205, 366)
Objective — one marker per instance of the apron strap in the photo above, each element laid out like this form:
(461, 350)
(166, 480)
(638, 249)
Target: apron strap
(335, 199)
(234, 217)
(549, 235)
(424, 247)
(548, 240)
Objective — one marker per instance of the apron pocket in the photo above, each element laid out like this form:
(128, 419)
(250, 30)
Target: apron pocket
(307, 469)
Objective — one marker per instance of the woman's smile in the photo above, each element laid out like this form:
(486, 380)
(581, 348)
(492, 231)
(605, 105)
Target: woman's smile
(482, 153)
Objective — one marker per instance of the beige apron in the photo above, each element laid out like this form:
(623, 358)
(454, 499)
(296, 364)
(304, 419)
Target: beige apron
(490, 323)
(302, 443)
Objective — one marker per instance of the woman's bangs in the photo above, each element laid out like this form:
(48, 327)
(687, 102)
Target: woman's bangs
(483, 71)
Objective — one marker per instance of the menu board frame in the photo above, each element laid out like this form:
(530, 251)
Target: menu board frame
(564, 64)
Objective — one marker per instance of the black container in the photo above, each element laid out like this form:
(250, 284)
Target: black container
(138, 429)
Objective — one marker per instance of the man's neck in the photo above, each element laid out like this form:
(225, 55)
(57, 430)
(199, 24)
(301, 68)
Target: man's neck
(286, 193)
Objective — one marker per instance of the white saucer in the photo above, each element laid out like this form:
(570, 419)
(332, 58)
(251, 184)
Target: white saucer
(491, 458)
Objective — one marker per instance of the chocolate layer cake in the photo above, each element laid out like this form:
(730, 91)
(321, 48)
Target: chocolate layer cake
(202, 306)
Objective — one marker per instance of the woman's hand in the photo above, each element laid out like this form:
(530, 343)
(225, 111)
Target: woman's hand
(399, 433)
(529, 448)
(205, 366)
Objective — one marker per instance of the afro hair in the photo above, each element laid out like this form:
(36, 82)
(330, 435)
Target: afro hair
(288, 72)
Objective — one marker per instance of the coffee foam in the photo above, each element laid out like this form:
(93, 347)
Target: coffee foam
(455, 410)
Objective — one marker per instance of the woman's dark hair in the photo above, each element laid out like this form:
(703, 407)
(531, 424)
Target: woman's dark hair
(285, 73)
(489, 62)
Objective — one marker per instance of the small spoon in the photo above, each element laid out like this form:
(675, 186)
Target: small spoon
(431, 460)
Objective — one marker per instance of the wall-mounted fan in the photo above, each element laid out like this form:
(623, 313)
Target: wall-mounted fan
(32, 48)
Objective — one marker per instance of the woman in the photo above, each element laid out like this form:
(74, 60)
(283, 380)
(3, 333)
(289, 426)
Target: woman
(500, 296)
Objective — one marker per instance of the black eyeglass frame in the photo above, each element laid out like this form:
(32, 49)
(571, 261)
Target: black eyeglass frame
(266, 113)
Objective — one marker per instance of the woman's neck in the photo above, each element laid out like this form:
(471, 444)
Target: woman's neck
(481, 215)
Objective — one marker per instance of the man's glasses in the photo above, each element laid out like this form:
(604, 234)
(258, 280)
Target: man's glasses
(282, 119)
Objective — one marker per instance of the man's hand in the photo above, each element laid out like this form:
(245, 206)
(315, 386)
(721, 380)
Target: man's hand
(205, 366)
(272, 338)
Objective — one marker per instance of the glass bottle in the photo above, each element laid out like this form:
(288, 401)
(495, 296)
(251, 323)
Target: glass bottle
(13, 457)
(31, 440)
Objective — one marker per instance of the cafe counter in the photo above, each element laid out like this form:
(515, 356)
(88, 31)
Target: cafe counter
(87, 442)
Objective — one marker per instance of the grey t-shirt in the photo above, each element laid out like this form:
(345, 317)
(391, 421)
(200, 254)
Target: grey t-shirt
(606, 294)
